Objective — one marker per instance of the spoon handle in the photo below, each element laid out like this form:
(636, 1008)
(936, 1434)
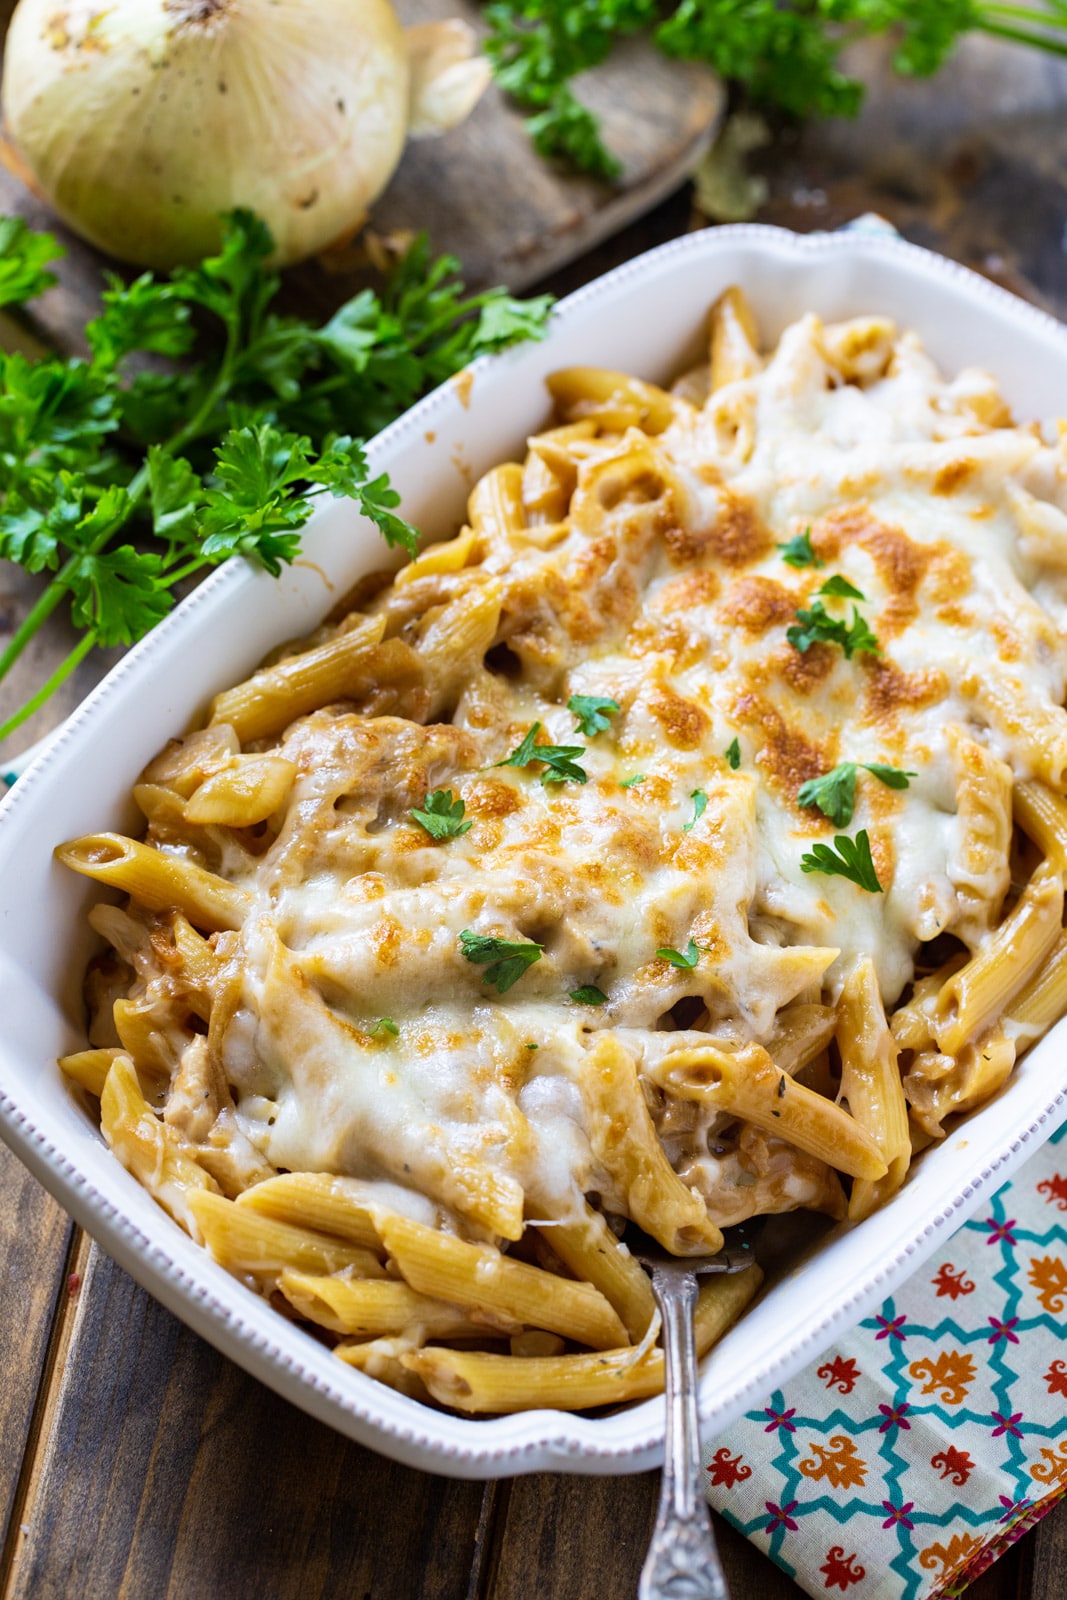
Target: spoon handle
(682, 1561)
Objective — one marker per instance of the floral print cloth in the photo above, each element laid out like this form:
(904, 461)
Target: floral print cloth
(901, 1464)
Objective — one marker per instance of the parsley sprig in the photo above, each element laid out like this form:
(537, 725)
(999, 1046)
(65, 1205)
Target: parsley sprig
(817, 626)
(120, 479)
(442, 815)
(560, 765)
(685, 960)
(799, 553)
(507, 959)
(591, 712)
(835, 792)
(849, 858)
(784, 52)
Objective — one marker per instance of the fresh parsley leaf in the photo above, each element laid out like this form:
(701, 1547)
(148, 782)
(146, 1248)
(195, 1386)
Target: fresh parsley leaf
(677, 959)
(558, 758)
(839, 586)
(589, 995)
(852, 860)
(116, 594)
(835, 792)
(385, 1025)
(442, 815)
(892, 777)
(24, 257)
(818, 627)
(503, 321)
(631, 783)
(377, 501)
(733, 754)
(176, 494)
(592, 712)
(700, 804)
(509, 959)
(798, 551)
(143, 315)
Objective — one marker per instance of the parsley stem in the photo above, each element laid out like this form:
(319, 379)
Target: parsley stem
(60, 675)
(1020, 36)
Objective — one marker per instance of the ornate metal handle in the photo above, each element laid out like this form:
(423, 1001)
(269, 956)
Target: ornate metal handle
(682, 1561)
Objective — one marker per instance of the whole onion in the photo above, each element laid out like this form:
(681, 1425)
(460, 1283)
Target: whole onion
(141, 121)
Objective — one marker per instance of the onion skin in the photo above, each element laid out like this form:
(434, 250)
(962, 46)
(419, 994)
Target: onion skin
(143, 120)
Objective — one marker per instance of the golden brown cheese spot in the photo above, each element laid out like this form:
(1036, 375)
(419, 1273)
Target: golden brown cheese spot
(757, 604)
(900, 561)
(883, 856)
(684, 723)
(890, 690)
(953, 475)
(686, 593)
(948, 576)
(1009, 644)
(386, 939)
(488, 797)
(805, 670)
(738, 536)
(787, 758)
(650, 636)
(595, 559)
(956, 616)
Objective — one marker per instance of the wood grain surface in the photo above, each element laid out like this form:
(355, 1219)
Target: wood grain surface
(135, 1462)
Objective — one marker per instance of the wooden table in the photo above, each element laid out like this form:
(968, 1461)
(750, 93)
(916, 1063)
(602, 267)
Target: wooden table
(134, 1460)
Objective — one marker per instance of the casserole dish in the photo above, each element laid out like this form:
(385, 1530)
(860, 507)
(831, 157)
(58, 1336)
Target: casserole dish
(645, 318)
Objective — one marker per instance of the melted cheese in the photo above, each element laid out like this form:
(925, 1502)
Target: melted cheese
(665, 589)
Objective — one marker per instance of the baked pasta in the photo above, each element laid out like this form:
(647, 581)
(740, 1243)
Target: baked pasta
(681, 842)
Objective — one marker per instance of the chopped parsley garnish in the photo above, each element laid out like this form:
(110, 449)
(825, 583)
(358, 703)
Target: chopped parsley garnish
(530, 1046)
(835, 792)
(798, 552)
(507, 959)
(817, 626)
(853, 861)
(628, 783)
(592, 712)
(839, 586)
(558, 758)
(700, 805)
(589, 995)
(442, 815)
(677, 959)
(385, 1025)
(733, 754)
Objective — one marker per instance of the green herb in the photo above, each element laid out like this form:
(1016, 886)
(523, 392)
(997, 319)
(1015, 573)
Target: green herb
(24, 258)
(558, 758)
(509, 960)
(700, 805)
(629, 783)
(442, 816)
(532, 1046)
(818, 627)
(853, 861)
(592, 712)
(835, 792)
(122, 479)
(677, 959)
(837, 585)
(783, 52)
(798, 552)
(385, 1025)
(589, 995)
(733, 754)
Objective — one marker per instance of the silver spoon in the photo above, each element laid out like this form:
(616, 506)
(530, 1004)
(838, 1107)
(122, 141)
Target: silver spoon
(682, 1561)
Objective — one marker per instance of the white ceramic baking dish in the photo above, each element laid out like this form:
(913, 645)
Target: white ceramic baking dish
(646, 317)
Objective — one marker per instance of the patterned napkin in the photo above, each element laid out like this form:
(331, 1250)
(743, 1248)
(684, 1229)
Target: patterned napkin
(901, 1464)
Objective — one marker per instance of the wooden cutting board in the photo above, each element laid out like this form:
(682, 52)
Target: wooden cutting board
(481, 192)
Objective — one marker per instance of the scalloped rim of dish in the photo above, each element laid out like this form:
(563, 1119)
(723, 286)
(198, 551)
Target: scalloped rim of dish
(241, 1324)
